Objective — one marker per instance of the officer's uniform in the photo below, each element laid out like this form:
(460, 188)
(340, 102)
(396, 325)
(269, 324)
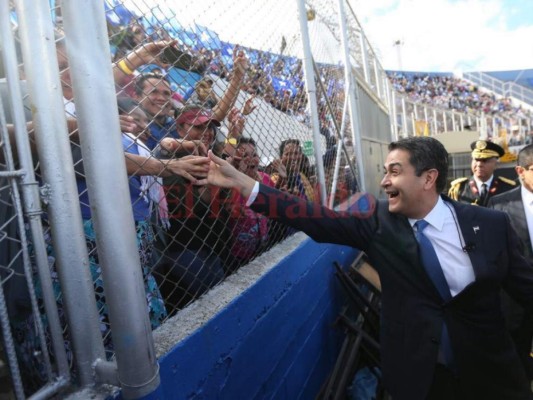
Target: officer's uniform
(465, 189)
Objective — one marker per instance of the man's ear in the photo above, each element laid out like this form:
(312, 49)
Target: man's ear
(519, 171)
(431, 177)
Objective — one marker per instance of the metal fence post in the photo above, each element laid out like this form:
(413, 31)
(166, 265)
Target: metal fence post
(353, 96)
(86, 33)
(41, 68)
(32, 206)
(311, 94)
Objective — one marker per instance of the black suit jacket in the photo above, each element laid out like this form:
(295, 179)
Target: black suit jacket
(412, 310)
(511, 203)
(519, 323)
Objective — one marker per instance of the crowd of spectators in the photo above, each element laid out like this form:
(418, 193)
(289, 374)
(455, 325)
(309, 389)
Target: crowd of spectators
(278, 80)
(189, 237)
(445, 91)
(275, 78)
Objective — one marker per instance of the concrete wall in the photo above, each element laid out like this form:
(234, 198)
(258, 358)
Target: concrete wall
(266, 333)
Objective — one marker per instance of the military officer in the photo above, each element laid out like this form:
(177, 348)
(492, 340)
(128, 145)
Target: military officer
(482, 185)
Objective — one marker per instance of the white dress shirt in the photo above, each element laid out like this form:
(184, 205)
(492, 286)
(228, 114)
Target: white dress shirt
(445, 235)
(527, 201)
(253, 195)
(479, 182)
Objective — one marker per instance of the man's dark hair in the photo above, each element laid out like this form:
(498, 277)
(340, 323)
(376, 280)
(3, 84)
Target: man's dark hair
(425, 153)
(285, 143)
(246, 140)
(141, 79)
(525, 156)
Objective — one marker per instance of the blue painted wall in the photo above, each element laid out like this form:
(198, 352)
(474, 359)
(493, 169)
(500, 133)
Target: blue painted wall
(276, 341)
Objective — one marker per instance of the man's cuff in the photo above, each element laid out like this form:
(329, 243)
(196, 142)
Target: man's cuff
(253, 195)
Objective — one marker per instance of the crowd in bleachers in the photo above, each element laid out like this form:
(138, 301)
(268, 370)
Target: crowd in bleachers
(449, 92)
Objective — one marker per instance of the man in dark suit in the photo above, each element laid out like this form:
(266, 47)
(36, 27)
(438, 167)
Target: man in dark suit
(518, 204)
(442, 331)
(482, 185)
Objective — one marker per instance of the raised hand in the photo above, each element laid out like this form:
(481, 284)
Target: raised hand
(240, 62)
(280, 168)
(249, 106)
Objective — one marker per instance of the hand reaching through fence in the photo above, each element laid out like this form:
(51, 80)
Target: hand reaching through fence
(174, 147)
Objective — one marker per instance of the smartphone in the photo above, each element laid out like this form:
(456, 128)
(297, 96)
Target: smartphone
(176, 58)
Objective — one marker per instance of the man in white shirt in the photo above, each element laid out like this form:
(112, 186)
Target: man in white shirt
(518, 204)
(441, 263)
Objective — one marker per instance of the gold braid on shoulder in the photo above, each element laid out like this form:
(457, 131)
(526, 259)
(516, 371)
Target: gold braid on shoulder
(455, 187)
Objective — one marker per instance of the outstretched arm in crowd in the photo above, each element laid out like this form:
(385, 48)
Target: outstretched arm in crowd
(240, 65)
(72, 127)
(144, 54)
(192, 168)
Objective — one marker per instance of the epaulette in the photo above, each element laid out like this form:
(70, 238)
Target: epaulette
(453, 193)
(507, 180)
(458, 180)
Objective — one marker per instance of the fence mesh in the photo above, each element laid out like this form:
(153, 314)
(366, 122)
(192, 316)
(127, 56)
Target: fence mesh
(224, 76)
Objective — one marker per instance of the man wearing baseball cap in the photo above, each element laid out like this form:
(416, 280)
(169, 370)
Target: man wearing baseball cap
(482, 185)
(197, 123)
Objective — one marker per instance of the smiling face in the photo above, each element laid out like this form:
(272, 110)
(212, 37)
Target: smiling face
(408, 194)
(204, 132)
(292, 158)
(156, 96)
(484, 168)
(249, 159)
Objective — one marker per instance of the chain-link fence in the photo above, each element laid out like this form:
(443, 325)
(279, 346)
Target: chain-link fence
(260, 84)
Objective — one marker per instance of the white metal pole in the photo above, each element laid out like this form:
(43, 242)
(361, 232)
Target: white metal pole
(364, 55)
(32, 204)
(311, 94)
(404, 118)
(394, 112)
(338, 155)
(454, 122)
(92, 78)
(376, 74)
(353, 97)
(42, 71)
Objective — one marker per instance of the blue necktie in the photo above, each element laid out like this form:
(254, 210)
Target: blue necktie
(432, 265)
